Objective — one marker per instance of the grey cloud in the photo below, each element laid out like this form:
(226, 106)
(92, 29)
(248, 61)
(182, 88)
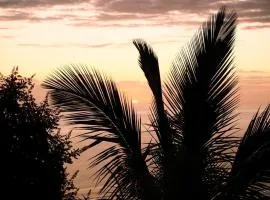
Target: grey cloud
(145, 12)
(261, 26)
(124, 16)
(64, 45)
(91, 45)
(245, 9)
(37, 3)
(159, 12)
(40, 45)
(131, 21)
(15, 15)
(155, 6)
(22, 15)
(19, 15)
(264, 19)
(101, 45)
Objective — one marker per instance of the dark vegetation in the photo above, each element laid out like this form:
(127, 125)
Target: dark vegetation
(34, 153)
(195, 151)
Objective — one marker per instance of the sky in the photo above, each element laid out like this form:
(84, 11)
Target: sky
(42, 35)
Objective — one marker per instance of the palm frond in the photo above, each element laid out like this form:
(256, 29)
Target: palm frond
(162, 153)
(148, 62)
(201, 88)
(93, 102)
(250, 174)
(201, 96)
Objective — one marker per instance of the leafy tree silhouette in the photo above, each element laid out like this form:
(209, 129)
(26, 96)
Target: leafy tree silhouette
(33, 151)
(196, 151)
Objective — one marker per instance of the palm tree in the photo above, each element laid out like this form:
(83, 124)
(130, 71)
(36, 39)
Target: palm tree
(196, 151)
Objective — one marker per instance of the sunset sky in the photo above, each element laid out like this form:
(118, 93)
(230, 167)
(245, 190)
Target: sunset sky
(41, 35)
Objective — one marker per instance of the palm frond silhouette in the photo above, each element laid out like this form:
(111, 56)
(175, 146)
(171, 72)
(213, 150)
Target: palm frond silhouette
(196, 151)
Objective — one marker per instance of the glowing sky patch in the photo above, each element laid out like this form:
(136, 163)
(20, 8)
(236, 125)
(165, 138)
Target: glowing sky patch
(42, 35)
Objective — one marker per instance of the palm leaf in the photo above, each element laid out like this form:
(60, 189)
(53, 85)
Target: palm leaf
(200, 90)
(148, 62)
(201, 98)
(162, 153)
(250, 174)
(93, 102)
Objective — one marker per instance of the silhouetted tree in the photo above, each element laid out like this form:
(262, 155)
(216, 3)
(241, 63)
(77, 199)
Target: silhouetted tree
(195, 152)
(33, 151)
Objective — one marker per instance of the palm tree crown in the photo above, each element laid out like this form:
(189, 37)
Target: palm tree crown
(195, 152)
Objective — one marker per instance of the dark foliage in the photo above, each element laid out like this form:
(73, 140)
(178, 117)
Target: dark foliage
(33, 151)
